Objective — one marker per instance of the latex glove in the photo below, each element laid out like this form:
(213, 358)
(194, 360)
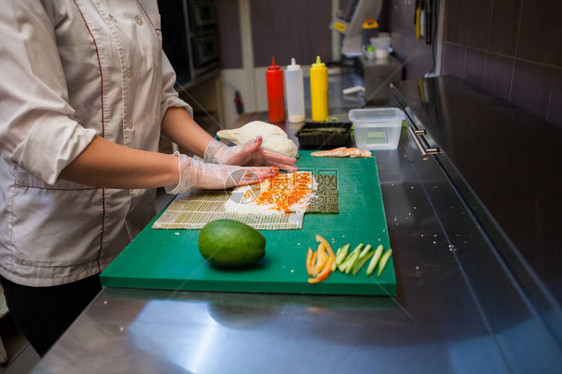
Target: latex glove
(195, 173)
(250, 153)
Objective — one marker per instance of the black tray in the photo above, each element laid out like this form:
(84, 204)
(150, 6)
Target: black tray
(311, 134)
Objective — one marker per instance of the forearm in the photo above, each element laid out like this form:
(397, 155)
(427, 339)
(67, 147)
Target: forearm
(179, 127)
(107, 164)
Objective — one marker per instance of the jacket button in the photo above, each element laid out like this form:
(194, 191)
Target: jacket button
(130, 125)
(129, 73)
(138, 20)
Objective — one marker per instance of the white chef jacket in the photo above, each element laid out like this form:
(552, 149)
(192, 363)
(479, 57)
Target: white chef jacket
(71, 69)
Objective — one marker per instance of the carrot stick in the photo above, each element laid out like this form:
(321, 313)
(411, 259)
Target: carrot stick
(309, 262)
(323, 257)
(324, 273)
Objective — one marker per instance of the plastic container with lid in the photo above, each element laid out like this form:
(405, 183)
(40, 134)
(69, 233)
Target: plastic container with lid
(319, 90)
(294, 86)
(275, 99)
(382, 45)
(324, 134)
(376, 128)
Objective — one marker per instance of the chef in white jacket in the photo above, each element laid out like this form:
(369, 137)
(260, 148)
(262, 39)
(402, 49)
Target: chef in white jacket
(85, 93)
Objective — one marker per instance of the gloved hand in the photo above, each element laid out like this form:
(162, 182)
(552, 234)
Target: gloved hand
(250, 153)
(195, 173)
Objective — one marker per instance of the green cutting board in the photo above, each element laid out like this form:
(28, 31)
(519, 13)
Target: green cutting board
(170, 259)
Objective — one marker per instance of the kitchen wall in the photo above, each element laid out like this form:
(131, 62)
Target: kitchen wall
(418, 57)
(511, 48)
(283, 29)
(229, 30)
(253, 31)
(291, 28)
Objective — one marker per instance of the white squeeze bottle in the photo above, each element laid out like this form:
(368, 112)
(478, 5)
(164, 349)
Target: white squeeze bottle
(294, 92)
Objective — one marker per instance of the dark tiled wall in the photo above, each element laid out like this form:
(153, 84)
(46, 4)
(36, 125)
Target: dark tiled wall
(283, 29)
(511, 48)
(291, 28)
(417, 56)
(230, 43)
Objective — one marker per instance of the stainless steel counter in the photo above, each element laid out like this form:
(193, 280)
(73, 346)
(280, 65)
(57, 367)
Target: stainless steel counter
(458, 308)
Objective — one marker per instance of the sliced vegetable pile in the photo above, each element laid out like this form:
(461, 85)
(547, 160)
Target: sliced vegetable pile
(320, 263)
(353, 262)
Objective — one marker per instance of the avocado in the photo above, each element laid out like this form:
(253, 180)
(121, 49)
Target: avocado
(228, 243)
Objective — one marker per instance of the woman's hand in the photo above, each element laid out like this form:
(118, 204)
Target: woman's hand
(195, 173)
(250, 153)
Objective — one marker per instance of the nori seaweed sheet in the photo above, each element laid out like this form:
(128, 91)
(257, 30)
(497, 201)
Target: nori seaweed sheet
(326, 199)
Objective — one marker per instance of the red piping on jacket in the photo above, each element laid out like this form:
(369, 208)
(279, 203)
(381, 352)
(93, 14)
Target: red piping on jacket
(53, 188)
(146, 14)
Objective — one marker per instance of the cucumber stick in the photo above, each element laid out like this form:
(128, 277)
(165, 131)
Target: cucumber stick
(362, 261)
(341, 255)
(374, 260)
(353, 260)
(359, 248)
(335, 265)
(365, 251)
(345, 263)
(349, 261)
(384, 260)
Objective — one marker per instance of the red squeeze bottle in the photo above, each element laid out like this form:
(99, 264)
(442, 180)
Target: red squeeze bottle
(275, 98)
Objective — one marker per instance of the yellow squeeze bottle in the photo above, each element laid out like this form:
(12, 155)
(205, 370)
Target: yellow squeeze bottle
(319, 91)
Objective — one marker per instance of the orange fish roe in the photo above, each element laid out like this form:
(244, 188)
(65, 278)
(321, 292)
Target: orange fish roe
(283, 191)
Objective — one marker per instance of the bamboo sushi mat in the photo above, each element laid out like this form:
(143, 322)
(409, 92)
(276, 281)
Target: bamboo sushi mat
(192, 211)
